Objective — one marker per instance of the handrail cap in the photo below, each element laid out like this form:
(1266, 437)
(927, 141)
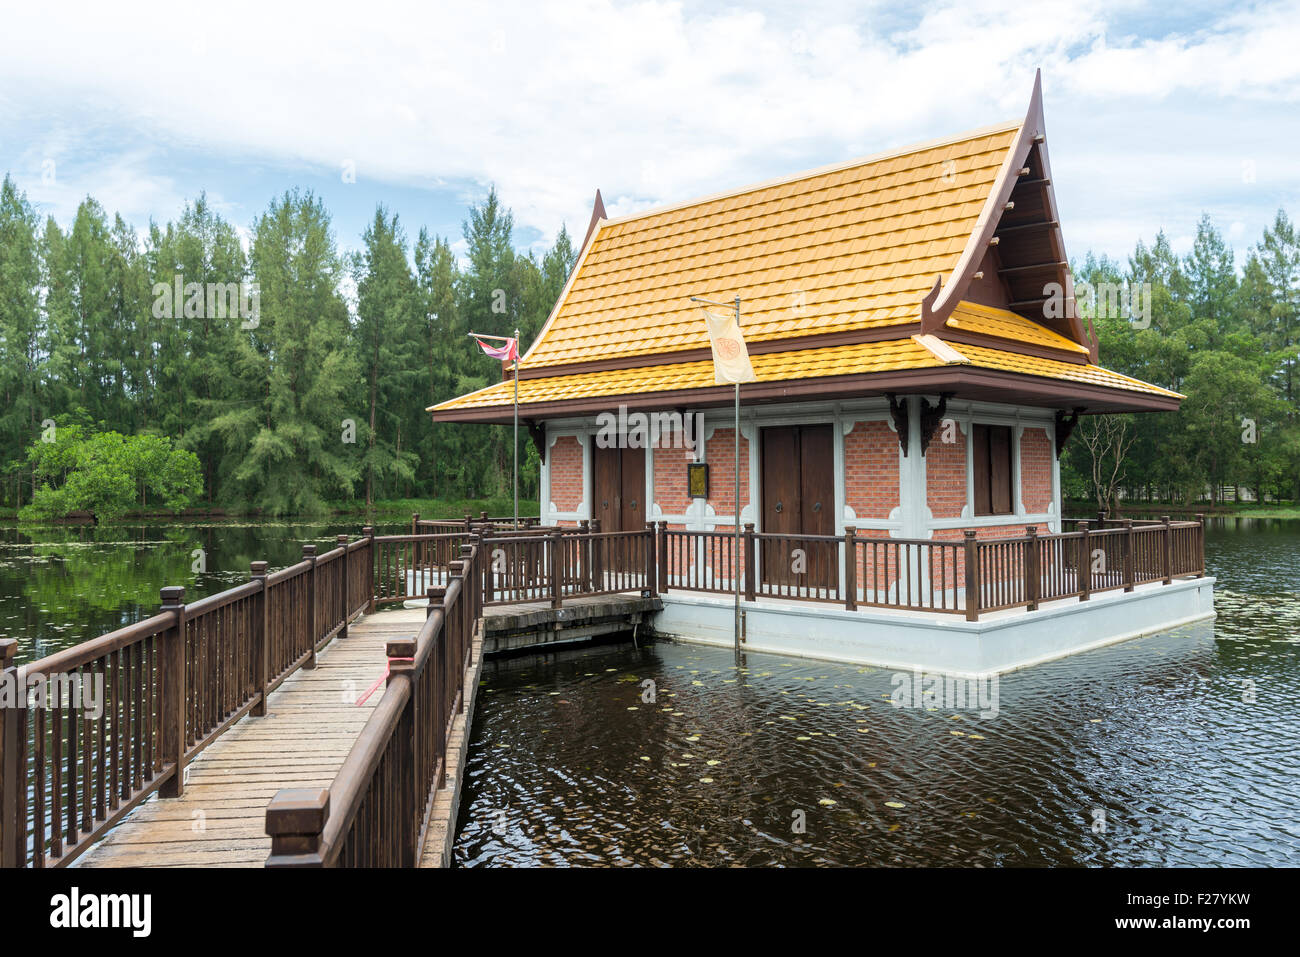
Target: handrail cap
(298, 811)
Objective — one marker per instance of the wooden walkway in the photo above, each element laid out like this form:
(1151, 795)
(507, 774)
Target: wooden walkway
(312, 722)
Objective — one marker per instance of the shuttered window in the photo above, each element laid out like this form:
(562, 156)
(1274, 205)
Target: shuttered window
(991, 447)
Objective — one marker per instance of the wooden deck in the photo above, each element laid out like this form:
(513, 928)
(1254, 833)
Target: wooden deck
(311, 723)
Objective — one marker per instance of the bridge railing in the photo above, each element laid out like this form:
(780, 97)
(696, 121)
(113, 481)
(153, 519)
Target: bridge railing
(377, 809)
(88, 733)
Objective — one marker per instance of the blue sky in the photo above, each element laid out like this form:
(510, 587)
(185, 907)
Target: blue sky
(1155, 113)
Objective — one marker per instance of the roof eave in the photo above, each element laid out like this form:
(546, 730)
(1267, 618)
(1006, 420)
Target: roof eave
(965, 382)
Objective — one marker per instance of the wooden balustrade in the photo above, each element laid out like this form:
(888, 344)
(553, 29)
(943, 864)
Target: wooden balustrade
(375, 812)
(171, 684)
(406, 566)
(97, 728)
(971, 576)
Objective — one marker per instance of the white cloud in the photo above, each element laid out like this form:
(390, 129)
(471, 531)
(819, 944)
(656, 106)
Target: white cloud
(655, 102)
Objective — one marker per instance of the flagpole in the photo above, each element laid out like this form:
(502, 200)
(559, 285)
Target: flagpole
(479, 336)
(735, 379)
(516, 430)
(735, 569)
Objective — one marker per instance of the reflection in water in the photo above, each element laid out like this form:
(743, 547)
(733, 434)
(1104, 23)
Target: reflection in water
(63, 585)
(1178, 749)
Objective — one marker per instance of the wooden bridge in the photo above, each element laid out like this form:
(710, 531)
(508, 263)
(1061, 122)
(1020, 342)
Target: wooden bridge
(287, 722)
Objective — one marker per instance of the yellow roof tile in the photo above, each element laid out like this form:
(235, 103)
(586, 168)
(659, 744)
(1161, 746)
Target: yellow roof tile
(862, 358)
(1003, 324)
(909, 212)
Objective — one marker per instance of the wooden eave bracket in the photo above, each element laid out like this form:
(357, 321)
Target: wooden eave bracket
(1065, 427)
(898, 412)
(931, 416)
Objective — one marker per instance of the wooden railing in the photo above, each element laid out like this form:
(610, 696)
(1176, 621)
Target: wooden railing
(165, 688)
(376, 811)
(437, 526)
(970, 576)
(172, 683)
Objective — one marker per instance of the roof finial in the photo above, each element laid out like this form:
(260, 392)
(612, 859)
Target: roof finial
(597, 214)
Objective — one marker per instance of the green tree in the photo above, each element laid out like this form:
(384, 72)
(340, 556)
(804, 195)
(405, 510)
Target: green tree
(295, 447)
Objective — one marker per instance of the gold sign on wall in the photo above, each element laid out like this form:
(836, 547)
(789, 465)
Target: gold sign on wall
(697, 479)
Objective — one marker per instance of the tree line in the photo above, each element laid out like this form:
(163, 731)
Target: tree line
(297, 374)
(1226, 338)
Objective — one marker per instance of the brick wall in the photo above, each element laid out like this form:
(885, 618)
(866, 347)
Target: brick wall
(670, 473)
(871, 470)
(720, 454)
(945, 472)
(1035, 470)
(564, 462)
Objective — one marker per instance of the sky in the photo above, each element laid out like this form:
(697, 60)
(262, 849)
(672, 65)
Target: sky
(1156, 113)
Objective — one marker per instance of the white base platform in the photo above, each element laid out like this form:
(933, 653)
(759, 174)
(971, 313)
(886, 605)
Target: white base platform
(998, 642)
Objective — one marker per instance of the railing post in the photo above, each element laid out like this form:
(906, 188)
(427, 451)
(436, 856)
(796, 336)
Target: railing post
(295, 819)
(415, 523)
(485, 533)
(597, 558)
(1129, 559)
(404, 751)
(309, 553)
(651, 566)
(172, 705)
(972, 576)
(13, 824)
(556, 591)
(584, 552)
(1168, 548)
(1200, 544)
(1031, 568)
(661, 548)
(262, 644)
(1083, 563)
(1101, 518)
(751, 582)
(343, 632)
(369, 532)
(850, 567)
(435, 596)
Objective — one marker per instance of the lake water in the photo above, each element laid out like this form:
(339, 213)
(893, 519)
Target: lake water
(1180, 749)
(63, 585)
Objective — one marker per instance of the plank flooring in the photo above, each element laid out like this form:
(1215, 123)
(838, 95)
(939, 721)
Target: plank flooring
(311, 723)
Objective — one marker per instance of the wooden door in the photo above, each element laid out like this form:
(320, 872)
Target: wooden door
(798, 499)
(607, 488)
(817, 502)
(618, 485)
(781, 506)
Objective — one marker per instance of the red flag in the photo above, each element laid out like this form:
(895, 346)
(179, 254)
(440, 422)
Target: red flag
(506, 353)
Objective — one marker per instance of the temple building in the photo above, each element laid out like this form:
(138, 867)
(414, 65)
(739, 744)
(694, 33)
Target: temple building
(911, 323)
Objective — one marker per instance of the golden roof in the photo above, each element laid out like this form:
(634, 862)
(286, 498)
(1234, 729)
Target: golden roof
(1003, 324)
(855, 246)
(891, 355)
